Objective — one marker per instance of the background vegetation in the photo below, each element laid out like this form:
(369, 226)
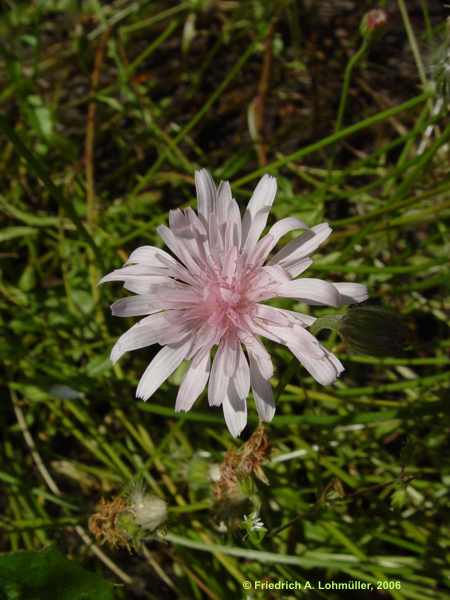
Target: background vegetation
(106, 110)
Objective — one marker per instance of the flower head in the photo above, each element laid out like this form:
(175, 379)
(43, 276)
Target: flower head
(211, 292)
(253, 522)
(148, 510)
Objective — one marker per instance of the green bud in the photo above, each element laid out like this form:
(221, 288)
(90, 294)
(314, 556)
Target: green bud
(126, 523)
(373, 330)
(398, 498)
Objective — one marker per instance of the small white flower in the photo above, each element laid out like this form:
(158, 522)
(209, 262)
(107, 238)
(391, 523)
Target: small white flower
(252, 522)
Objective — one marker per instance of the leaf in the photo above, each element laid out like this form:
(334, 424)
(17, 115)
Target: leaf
(98, 365)
(112, 102)
(8, 233)
(39, 117)
(47, 573)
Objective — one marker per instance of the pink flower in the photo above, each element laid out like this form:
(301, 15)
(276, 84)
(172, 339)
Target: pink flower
(212, 294)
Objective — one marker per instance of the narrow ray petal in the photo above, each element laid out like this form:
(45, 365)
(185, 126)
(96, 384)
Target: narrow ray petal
(257, 213)
(234, 410)
(317, 360)
(145, 333)
(222, 202)
(262, 392)
(258, 353)
(161, 367)
(134, 306)
(276, 232)
(310, 291)
(206, 193)
(351, 293)
(193, 384)
(150, 256)
(133, 272)
(218, 379)
(241, 377)
(303, 246)
(178, 247)
(298, 267)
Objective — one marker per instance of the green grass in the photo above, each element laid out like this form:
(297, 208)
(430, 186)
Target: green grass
(106, 111)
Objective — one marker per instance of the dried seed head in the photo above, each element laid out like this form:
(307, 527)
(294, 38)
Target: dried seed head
(127, 519)
(103, 524)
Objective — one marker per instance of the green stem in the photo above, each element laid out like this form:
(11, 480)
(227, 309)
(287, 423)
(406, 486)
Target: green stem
(333, 138)
(197, 117)
(413, 42)
(352, 63)
(330, 322)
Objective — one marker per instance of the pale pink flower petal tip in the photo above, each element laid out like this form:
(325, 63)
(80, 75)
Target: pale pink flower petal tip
(210, 292)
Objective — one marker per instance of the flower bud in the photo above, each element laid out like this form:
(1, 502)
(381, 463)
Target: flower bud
(372, 21)
(373, 330)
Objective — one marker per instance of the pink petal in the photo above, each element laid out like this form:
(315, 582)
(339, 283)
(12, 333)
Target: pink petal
(222, 202)
(262, 392)
(218, 380)
(310, 291)
(177, 295)
(230, 263)
(316, 359)
(300, 337)
(189, 234)
(174, 333)
(273, 315)
(206, 193)
(160, 368)
(135, 306)
(233, 227)
(258, 353)
(178, 247)
(268, 281)
(193, 384)
(133, 273)
(257, 213)
(264, 329)
(351, 293)
(302, 246)
(323, 370)
(297, 318)
(234, 411)
(145, 333)
(143, 286)
(241, 377)
(231, 355)
(298, 267)
(205, 338)
(150, 256)
(276, 232)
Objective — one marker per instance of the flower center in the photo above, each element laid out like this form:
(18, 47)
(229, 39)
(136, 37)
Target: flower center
(224, 303)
